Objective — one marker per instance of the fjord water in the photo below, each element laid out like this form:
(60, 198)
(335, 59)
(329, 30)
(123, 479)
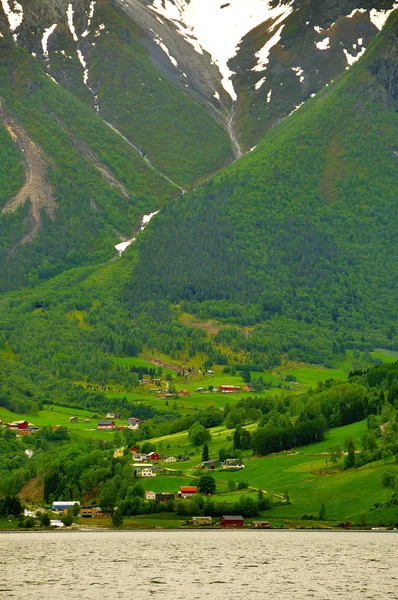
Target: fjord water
(178, 565)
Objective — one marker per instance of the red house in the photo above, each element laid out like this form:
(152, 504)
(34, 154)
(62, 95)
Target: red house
(153, 456)
(183, 393)
(134, 449)
(232, 521)
(106, 425)
(187, 491)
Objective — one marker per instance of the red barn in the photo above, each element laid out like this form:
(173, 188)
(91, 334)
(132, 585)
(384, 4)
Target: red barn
(18, 425)
(153, 456)
(106, 425)
(232, 521)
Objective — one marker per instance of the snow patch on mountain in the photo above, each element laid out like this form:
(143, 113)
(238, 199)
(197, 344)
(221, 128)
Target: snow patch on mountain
(323, 44)
(69, 14)
(201, 21)
(299, 72)
(260, 83)
(145, 220)
(44, 40)
(350, 58)
(158, 40)
(15, 17)
(379, 17)
(91, 12)
(263, 54)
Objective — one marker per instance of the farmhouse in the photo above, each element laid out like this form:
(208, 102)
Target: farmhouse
(150, 495)
(229, 389)
(184, 393)
(232, 521)
(232, 464)
(170, 459)
(112, 416)
(187, 491)
(141, 470)
(106, 425)
(139, 458)
(133, 423)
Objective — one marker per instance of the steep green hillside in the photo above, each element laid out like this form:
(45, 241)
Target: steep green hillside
(318, 41)
(303, 230)
(99, 54)
(175, 132)
(71, 187)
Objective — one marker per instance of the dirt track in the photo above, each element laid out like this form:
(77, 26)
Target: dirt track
(36, 188)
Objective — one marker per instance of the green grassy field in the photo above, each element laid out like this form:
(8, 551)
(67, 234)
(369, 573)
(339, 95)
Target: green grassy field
(59, 415)
(336, 437)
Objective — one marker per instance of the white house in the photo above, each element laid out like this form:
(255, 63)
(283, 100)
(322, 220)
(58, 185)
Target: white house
(141, 470)
(170, 459)
(150, 495)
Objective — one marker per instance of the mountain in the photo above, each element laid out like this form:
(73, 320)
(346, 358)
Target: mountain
(109, 108)
(301, 232)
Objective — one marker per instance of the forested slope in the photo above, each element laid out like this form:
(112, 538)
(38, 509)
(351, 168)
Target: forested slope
(305, 226)
(71, 187)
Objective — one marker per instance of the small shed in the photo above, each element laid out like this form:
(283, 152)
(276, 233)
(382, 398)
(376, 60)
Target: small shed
(211, 464)
(73, 419)
(232, 521)
(260, 524)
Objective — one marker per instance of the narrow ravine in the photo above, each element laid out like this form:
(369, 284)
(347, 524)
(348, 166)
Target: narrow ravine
(151, 165)
(231, 132)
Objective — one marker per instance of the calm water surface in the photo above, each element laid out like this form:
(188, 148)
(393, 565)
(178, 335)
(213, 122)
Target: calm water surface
(200, 564)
